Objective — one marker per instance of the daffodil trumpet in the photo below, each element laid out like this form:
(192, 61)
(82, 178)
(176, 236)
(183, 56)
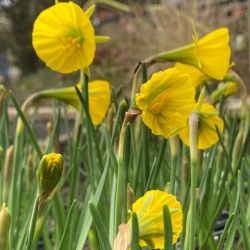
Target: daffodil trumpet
(210, 54)
(99, 98)
(165, 101)
(150, 220)
(65, 44)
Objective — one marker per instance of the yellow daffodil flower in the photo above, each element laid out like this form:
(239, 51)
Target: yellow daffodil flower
(99, 98)
(64, 38)
(149, 212)
(210, 54)
(166, 100)
(150, 218)
(207, 135)
(196, 76)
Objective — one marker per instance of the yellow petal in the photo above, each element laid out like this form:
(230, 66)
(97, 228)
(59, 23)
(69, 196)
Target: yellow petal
(207, 134)
(196, 76)
(213, 53)
(90, 11)
(102, 39)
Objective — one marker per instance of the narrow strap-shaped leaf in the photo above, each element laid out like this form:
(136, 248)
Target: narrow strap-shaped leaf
(26, 124)
(100, 228)
(63, 243)
(88, 221)
(135, 233)
(167, 229)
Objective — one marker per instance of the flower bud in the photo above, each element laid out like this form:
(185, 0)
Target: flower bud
(49, 174)
(5, 222)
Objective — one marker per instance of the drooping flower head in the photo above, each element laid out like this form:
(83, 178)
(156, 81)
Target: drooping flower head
(149, 211)
(165, 100)
(207, 135)
(64, 38)
(99, 95)
(210, 54)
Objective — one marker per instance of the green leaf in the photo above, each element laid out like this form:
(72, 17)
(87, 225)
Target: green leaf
(100, 228)
(167, 229)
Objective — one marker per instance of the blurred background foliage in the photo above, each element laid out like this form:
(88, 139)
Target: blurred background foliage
(149, 27)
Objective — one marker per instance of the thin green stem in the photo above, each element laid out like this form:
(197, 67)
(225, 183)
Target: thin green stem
(32, 227)
(174, 149)
(193, 126)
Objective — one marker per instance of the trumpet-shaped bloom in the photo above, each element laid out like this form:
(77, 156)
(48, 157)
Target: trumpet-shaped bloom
(207, 134)
(210, 54)
(64, 38)
(149, 211)
(165, 101)
(99, 96)
(196, 76)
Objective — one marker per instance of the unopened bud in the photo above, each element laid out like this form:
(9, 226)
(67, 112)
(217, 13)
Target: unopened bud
(49, 174)
(5, 222)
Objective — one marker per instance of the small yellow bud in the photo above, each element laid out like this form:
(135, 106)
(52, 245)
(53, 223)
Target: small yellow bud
(49, 174)
(231, 88)
(5, 222)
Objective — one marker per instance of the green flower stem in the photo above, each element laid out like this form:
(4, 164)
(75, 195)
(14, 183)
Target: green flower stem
(16, 174)
(186, 54)
(135, 85)
(120, 178)
(32, 227)
(174, 150)
(114, 4)
(193, 125)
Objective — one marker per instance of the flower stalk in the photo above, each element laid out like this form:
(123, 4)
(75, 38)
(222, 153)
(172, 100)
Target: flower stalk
(191, 226)
(49, 174)
(174, 151)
